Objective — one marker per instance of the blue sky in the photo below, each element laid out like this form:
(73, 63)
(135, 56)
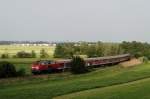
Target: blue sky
(75, 20)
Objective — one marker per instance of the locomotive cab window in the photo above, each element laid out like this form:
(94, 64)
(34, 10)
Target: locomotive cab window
(45, 62)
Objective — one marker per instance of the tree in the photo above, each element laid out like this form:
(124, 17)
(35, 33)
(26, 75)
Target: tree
(65, 50)
(83, 48)
(7, 70)
(5, 55)
(78, 65)
(43, 54)
(137, 49)
(59, 51)
(33, 54)
(91, 51)
(99, 49)
(23, 54)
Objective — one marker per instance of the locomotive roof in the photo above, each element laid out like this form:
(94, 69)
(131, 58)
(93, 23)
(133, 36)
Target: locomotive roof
(64, 60)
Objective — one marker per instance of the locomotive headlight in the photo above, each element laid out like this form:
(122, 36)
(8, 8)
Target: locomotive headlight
(37, 68)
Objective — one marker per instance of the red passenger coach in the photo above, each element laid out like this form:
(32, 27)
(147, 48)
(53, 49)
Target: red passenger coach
(107, 60)
(49, 65)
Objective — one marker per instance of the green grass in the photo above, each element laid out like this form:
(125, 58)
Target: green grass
(26, 67)
(134, 90)
(13, 49)
(65, 83)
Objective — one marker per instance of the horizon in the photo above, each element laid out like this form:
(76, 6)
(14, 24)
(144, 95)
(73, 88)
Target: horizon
(31, 41)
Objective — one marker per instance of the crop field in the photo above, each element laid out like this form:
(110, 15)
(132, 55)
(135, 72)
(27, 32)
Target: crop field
(104, 83)
(13, 49)
(24, 60)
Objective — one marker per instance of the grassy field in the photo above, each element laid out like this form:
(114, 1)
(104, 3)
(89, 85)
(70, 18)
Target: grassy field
(116, 82)
(13, 49)
(133, 90)
(25, 60)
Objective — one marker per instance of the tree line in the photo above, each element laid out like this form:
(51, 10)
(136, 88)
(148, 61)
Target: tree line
(89, 49)
(136, 49)
(99, 49)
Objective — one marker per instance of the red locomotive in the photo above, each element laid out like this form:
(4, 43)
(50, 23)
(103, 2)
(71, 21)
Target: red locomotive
(49, 65)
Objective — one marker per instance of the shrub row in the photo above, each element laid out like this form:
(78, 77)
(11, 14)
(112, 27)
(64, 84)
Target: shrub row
(8, 70)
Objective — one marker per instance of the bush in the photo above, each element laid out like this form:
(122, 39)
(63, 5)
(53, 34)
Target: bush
(43, 54)
(78, 65)
(23, 54)
(5, 55)
(14, 56)
(144, 59)
(33, 54)
(148, 56)
(21, 72)
(7, 70)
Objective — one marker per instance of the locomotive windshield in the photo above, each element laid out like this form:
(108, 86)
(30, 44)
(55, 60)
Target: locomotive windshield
(45, 62)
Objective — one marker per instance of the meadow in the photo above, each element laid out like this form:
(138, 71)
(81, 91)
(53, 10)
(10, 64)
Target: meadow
(106, 83)
(13, 49)
(133, 90)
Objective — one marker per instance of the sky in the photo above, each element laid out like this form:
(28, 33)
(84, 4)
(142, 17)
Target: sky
(75, 20)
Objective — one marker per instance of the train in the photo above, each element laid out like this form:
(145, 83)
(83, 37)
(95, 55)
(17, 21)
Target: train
(59, 65)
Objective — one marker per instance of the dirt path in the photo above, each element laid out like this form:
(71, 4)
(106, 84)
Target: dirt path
(131, 63)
